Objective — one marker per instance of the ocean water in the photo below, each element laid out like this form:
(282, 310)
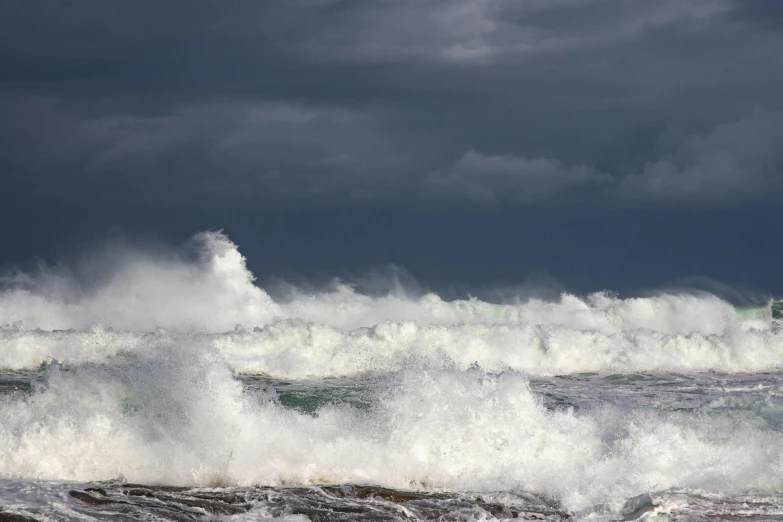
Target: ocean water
(174, 388)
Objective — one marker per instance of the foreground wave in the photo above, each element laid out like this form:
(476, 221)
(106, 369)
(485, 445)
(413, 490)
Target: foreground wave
(181, 418)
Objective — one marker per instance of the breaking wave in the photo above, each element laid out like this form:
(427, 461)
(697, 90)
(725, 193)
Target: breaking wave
(179, 417)
(139, 383)
(211, 298)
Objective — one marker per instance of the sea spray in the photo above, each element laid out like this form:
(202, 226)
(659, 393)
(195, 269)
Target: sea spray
(178, 416)
(179, 370)
(296, 349)
(150, 299)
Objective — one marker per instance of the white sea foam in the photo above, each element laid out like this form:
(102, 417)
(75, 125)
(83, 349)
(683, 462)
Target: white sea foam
(212, 299)
(142, 292)
(147, 390)
(177, 416)
(297, 349)
(216, 292)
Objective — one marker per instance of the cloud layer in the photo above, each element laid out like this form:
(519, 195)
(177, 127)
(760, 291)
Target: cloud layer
(488, 102)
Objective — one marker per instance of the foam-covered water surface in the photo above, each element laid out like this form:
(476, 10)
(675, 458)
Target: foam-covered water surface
(174, 388)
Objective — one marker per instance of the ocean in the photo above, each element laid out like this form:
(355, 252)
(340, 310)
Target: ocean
(173, 387)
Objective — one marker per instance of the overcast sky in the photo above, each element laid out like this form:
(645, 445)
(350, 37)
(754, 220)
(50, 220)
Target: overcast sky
(621, 144)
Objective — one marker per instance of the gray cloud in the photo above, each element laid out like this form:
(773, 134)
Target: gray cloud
(495, 102)
(734, 162)
(282, 151)
(477, 32)
(510, 179)
(251, 150)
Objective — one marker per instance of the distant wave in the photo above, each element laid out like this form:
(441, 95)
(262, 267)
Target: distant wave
(212, 299)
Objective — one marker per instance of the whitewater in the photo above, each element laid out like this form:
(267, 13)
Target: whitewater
(167, 385)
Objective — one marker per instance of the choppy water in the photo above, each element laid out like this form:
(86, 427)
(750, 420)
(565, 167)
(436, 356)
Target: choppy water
(176, 389)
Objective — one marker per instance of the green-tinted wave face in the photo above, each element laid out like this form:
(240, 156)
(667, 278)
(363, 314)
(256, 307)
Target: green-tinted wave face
(769, 310)
(750, 312)
(301, 402)
(776, 309)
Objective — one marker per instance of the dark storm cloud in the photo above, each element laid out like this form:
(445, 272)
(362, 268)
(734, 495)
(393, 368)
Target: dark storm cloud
(509, 179)
(734, 162)
(458, 102)
(485, 31)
